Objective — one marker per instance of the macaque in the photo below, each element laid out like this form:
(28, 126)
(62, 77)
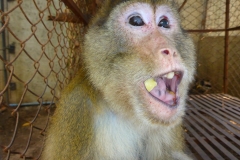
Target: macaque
(128, 99)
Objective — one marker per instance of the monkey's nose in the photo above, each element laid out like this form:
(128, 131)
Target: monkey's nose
(165, 51)
(168, 51)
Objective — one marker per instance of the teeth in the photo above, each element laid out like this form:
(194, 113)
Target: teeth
(170, 75)
(150, 84)
(171, 92)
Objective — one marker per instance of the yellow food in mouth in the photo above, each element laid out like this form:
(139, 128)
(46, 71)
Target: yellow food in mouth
(150, 84)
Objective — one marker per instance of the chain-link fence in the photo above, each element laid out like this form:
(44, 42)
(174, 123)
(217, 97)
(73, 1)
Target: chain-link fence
(39, 47)
(215, 27)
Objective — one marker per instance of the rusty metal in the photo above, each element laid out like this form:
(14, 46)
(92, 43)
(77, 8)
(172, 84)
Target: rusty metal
(226, 48)
(6, 148)
(204, 19)
(63, 17)
(213, 127)
(73, 7)
(213, 30)
(183, 4)
(57, 50)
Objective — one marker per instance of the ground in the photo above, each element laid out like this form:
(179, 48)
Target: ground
(7, 127)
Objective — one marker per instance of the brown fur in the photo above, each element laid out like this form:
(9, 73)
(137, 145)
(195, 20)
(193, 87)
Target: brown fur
(102, 114)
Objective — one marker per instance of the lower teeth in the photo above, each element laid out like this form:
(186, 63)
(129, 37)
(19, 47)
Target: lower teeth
(171, 92)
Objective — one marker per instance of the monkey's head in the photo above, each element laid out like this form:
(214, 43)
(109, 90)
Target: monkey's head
(140, 60)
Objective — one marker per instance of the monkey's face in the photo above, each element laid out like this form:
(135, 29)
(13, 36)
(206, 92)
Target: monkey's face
(146, 64)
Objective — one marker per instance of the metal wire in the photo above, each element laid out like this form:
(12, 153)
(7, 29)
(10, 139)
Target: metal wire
(46, 57)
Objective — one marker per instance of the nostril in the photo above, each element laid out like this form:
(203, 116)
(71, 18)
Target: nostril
(165, 52)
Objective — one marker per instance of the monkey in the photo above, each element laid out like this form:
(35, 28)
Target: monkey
(128, 98)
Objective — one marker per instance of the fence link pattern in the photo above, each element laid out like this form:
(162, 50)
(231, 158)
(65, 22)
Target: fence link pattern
(40, 44)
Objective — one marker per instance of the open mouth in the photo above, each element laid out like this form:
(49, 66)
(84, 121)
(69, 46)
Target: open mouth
(165, 87)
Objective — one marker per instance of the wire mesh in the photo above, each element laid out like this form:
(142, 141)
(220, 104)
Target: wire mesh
(39, 54)
(40, 44)
(216, 36)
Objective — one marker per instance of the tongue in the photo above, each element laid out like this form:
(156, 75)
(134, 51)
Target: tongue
(163, 94)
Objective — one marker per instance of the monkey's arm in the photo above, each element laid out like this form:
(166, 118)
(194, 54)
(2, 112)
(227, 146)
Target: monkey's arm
(70, 130)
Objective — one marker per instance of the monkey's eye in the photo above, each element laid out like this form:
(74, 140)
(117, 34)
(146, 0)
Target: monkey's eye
(136, 21)
(164, 23)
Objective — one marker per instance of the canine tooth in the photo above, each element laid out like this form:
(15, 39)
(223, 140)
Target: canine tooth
(170, 75)
(150, 84)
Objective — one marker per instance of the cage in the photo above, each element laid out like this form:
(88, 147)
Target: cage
(39, 54)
